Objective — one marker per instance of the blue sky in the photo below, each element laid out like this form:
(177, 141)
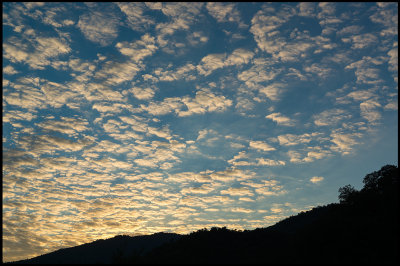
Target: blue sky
(135, 118)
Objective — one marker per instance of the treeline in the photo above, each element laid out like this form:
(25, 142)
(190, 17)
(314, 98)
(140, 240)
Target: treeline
(362, 228)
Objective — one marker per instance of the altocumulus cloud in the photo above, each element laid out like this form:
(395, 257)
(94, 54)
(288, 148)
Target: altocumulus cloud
(123, 118)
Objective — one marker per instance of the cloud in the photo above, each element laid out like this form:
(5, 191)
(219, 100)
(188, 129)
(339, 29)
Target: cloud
(269, 162)
(224, 12)
(203, 189)
(67, 125)
(308, 154)
(350, 30)
(231, 174)
(138, 50)
(26, 96)
(265, 23)
(316, 179)
(11, 115)
(269, 187)
(134, 12)
(319, 70)
(385, 14)
(291, 139)
(344, 142)
(366, 71)
(45, 48)
(272, 91)
(142, 93)
(9, 70)
(185, 72)
(240, 191)
(393, 105)
(210, 63)
(168, 105)
(204, 101)
(239, 56)
(114, 73)
(369, 110)
(244, 210)
(99, 27)
(394, 59)
(361, 95)
(307, 9)
(280, 119)
(257, 75)
(243, 159)
(260, 145)
(361, 41)
(331, 117)
(181, 17)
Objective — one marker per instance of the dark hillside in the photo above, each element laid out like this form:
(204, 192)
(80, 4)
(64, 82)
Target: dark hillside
(363, 228)
(104, 251)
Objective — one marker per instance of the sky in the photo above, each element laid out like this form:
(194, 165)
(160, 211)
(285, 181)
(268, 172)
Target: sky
(136, 118)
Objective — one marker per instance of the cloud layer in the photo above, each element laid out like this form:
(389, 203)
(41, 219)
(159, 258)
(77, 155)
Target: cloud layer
(135, 118)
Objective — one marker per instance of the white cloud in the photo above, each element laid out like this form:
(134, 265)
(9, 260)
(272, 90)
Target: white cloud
(265, 23)
(167, 106)
(320, 70)
(240, 191)
(369, 110)
(260, 145)
(349, 30)
(386, 14)
(361, 95)
(137, 50)
(204, 101)
(316, 179)
(394, 59)
(142, 93)
(392, 106)
(224, 12)
(316, 153)
(67, 125)
(239, 56)
(361, 41)
(231, 174)
(116, 72)
(182, 16)
(344, 142)
(272, 91)
(9, 70)
(18, 115)
(331, 117)
(134, 12)
(99, 27)
(269, 162)
(291, 139)
(45, 48)
(210, 63)
(306, 9)
(280, 119)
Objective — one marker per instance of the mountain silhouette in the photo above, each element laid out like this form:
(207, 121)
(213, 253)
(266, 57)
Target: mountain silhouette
(362, 228)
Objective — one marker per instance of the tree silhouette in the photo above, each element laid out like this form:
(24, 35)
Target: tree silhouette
(347, 194)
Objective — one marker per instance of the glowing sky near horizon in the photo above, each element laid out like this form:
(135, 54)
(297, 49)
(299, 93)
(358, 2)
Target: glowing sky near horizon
(135, 118)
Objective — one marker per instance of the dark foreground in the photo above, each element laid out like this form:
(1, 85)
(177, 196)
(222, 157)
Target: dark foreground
(362, 228)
